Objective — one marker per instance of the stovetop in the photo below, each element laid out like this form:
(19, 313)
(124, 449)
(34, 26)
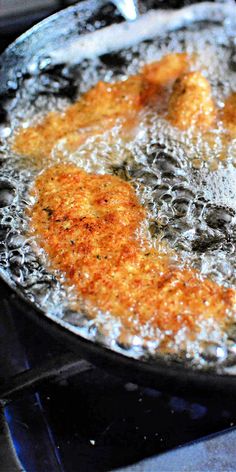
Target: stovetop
(87, 420)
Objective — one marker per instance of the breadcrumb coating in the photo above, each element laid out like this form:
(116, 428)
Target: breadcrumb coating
(99, 109)
(168, 86)
(89, 225)
(191, 103)
(164, 72)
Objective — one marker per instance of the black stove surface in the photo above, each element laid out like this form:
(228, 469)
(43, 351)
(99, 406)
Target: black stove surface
(92, 421)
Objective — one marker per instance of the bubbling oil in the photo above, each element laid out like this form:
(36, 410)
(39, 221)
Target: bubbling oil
(186, 180)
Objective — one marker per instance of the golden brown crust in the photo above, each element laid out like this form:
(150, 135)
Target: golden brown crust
(89, 224)
(98, 109)
(166, 85)
(164, 72)
(191, 103)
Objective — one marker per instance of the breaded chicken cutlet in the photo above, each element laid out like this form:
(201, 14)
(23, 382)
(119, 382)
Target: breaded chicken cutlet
(168, 87)
(101, 107)
(89, 225)
(191, 102)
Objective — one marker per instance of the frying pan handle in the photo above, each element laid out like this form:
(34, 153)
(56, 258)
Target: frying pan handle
(60, 367)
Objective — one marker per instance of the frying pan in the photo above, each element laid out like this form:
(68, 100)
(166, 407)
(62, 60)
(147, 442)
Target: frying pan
(37, 59)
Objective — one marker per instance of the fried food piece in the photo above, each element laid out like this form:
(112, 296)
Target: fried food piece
(89, 225)
(95, 112)
(228, 114)
(98, 109)
(191, 103)
(164, 72)
(159, 76)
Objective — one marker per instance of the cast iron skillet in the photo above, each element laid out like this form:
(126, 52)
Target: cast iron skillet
(16, 64)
